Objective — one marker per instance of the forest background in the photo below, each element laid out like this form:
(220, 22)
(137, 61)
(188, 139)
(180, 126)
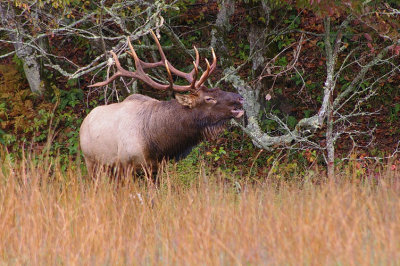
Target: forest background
(320, 78)
(310, 175)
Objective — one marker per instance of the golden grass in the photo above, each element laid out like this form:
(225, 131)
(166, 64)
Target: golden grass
(51, 218)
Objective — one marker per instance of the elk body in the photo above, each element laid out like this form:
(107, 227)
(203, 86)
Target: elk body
(142, 131)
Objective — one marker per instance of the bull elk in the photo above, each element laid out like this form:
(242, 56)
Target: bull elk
(143, 131)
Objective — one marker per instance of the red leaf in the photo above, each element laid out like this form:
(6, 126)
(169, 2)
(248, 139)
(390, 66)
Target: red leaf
(368, 37)
(397, 49)
(370, 47)
(355, 37)
(331, 11)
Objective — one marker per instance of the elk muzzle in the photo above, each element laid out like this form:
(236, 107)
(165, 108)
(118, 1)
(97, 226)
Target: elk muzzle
(237, 110)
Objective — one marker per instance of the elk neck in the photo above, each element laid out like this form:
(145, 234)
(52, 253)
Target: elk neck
(172, 130)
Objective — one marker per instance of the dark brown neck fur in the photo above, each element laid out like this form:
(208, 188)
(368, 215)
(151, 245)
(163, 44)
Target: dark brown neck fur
(172, 130)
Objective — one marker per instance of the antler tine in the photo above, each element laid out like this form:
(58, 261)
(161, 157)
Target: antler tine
(197, 55)
(140, 66)
(214, 63)
(120, 72)
(160, 50)
(195, 73)
(171, 81)
(162, 54)
(143, 65)
(208, 71)
(205, 75)
(133, 53)
(187, 76)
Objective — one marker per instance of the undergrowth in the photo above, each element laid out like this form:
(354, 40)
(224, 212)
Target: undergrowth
(28, 122)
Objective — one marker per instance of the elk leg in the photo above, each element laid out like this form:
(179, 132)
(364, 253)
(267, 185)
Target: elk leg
(90, 166)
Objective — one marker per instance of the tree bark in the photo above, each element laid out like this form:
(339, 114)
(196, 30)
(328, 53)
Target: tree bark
(23, 51)
(330, 143)
(222, 26)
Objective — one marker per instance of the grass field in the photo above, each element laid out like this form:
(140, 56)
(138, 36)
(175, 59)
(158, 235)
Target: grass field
(50, 217)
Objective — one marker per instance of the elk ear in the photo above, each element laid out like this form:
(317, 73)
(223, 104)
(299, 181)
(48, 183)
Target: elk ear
(188, 100)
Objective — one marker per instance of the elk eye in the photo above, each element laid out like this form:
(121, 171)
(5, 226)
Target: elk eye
(209, 99)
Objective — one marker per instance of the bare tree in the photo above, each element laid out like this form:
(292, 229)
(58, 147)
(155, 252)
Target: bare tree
(339, 109)
(26, 53)
(31, 25)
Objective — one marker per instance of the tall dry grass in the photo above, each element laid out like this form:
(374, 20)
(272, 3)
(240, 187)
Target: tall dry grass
(50, 217)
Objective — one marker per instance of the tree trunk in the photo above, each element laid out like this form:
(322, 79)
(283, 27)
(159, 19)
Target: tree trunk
(327, 105)
(330, 144)
(32, 72)
(222, 26)
(24, 52)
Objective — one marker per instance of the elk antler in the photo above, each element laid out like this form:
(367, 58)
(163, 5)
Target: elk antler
(139, 74)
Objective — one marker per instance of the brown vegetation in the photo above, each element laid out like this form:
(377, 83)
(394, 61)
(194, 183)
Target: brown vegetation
(51, 217)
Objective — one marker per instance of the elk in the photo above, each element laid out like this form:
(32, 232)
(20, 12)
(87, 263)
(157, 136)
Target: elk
(142, 131)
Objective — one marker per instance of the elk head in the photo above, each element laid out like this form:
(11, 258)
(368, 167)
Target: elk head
(215, 105)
